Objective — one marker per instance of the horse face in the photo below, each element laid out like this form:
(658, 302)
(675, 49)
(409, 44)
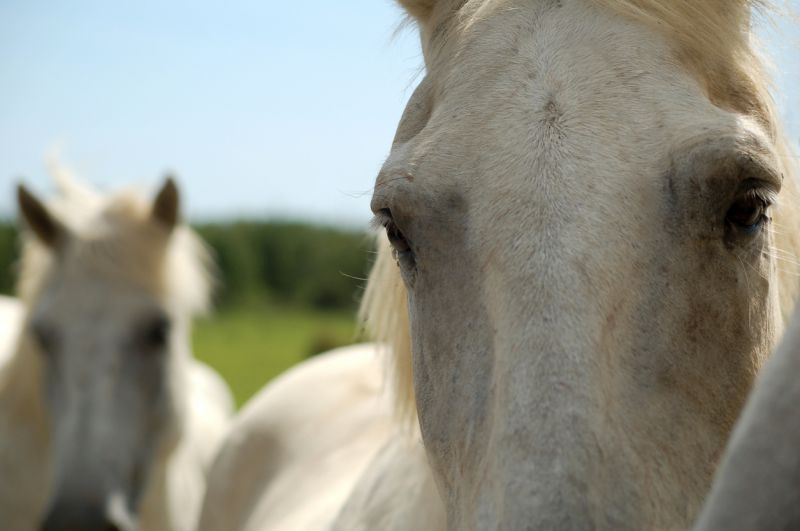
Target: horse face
(109, 345)
(585, 242)
(107, 362)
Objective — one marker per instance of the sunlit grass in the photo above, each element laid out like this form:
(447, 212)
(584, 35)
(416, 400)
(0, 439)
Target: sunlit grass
(251, 345)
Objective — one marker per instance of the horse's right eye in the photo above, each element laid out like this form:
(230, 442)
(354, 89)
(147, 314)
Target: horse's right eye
(749, 212)
(396, 238)
(46, 337)
(401, 248)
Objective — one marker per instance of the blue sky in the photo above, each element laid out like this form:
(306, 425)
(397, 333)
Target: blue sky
(262, 108)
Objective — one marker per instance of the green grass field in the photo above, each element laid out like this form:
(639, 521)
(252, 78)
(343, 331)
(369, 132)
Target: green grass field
(250, 346)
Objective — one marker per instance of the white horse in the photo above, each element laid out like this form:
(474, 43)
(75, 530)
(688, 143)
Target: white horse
(588, 203)
(592, 226)
(106, 421)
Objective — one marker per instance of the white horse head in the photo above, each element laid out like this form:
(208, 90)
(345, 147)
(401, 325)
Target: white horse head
(110, 284)
(587, 202)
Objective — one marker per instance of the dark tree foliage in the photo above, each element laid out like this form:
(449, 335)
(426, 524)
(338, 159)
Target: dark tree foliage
(8, 257)
(294, 263)
(281, 262)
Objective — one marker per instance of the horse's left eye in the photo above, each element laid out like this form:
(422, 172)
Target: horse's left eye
(156, 334)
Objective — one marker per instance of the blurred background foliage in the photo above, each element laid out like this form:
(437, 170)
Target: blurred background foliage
(287, 291)
(289, 263)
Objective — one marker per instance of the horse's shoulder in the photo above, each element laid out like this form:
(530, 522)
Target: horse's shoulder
(11, 314)
(210, 409)
(319, 385)
(396, 492)
(293, 453)
(209, 389)
(9, 304)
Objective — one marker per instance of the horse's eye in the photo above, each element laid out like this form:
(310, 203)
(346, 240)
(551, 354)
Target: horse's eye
(396, 238)
(155, 334)
(749, 212)
(400, 245)
(46, 337)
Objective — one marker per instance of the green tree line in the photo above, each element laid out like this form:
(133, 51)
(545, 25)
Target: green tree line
(278, 262)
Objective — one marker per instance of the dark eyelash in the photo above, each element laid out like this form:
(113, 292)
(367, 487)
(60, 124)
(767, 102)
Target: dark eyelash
(759, 190)
(380, 220)
(766, 197)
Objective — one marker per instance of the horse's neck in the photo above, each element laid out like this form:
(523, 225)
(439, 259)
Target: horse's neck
(19, 370)
(23, 440)
(21, 394)
(157, 511)
(177, 481)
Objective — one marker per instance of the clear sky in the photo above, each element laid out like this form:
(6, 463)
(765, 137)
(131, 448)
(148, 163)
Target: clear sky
(262, 108)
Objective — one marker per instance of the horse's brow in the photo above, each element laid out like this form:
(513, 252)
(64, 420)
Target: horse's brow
(757, 154)
(744, 148)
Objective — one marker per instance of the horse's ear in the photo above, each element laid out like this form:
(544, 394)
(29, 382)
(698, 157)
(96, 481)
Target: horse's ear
(39, 220)
(166, 206)
(419, 9)
(423, 9)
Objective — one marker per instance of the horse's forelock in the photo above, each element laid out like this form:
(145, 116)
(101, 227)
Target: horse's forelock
(117, 236)
(714, 40)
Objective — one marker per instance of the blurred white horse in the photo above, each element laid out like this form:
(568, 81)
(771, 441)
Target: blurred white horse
(106, 420)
